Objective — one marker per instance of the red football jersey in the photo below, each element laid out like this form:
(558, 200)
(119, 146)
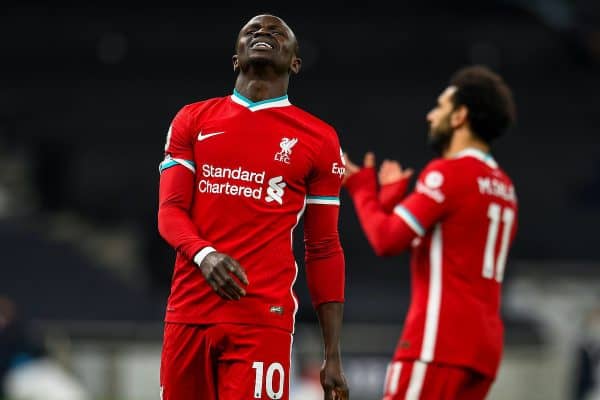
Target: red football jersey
(256, 166)
(460, 221)
(464, 211)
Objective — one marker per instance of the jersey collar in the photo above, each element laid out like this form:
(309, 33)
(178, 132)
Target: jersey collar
(238, 98)
(478, 154)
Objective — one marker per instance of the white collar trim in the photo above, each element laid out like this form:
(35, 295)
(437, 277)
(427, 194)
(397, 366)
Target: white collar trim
(478, 154)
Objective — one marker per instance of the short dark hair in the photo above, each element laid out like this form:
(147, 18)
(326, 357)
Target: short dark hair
(488, 99)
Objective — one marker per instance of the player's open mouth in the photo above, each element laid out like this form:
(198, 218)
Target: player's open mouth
(261, 45)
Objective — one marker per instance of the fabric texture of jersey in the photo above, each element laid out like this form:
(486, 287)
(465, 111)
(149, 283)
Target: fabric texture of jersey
(256, 168)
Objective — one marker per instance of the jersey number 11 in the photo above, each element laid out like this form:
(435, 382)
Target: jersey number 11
(490, 262)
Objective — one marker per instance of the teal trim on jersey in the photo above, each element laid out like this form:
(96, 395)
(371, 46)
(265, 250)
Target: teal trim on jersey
(257, 103)
(166, 165)
(323, 197)
(169, 162)
(332, 200)
(410, 219)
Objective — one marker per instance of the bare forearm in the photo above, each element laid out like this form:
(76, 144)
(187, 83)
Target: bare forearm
(330, 319)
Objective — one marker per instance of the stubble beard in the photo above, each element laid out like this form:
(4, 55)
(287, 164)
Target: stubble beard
(439, 137)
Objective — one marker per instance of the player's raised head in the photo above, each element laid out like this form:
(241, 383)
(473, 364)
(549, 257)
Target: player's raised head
(490, 106)
(266, 40)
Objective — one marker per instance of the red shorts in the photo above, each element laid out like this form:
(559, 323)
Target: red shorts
(416, 380)
(224, 362)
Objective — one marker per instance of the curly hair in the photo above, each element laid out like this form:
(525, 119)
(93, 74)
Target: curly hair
(488, 99)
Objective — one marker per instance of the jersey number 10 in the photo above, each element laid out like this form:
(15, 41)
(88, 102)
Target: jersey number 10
(258, 384)
(497, 215)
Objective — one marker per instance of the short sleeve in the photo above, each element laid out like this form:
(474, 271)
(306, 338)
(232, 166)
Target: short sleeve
(326, 176)
(179, 145)
(431, 198)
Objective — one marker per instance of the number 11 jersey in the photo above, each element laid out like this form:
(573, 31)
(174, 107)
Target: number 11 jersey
(464, 212)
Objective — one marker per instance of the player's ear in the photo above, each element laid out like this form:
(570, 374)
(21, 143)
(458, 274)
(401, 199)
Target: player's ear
(295, 65)
(236, 64)
(459, 116)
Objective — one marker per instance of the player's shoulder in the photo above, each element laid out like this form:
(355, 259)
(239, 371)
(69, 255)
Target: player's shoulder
(313, 121)
(460, 172)
(475, 163)
(436, 163)
(436, 173)
(465, 163)
(440, 165)
(450, 174)
(199, 106)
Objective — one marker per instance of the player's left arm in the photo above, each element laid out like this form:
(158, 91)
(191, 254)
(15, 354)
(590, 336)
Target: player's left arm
(325, 264)
(393, 183)
(387, 234)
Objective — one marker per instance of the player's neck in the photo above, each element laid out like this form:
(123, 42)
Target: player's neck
(257, 89)
(463, 139)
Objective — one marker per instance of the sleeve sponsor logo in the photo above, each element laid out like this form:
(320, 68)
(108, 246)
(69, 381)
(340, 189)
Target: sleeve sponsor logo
(434, 194)
(168, 141)
(434, 179)
(337, 169)
(431, 185)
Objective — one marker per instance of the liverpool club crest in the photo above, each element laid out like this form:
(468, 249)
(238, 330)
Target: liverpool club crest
(286, 150)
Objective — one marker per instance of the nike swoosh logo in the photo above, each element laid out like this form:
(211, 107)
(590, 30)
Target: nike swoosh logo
(202, 137)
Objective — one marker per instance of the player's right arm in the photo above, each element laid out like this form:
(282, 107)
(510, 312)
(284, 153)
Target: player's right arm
(391, 234)
(176, 190)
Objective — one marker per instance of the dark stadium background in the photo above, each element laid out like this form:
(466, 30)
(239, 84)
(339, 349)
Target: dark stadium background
(87, 93)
